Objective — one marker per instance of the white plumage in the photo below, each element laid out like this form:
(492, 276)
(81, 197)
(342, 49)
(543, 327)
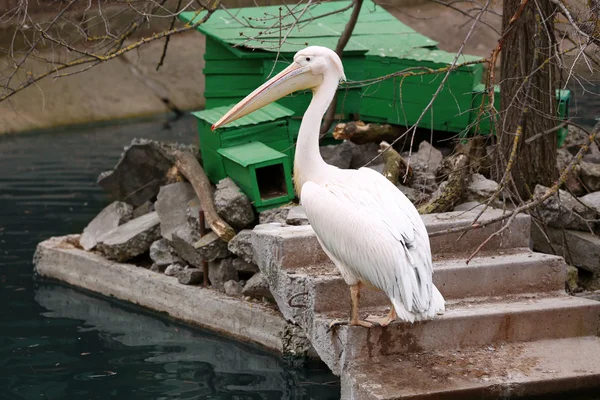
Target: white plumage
(368, 227)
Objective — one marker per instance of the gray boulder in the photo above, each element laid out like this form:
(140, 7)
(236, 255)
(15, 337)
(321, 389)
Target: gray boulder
(574, 141)
(233, 205)
(339, 155)
(190, 276)
(427, 158)
(233, 288)
(140, 172)
(243, 266)
(412, 194)
(145, 208)
(480, 188)
(562, 210)
(278, 215)
(297, 216)
(364, 153)
(592, 200)
(171, 205)
(194, 249)
(257, 287)
(590, 176)
(174, 269)
(573, 184)
(220, 272)
(162, 253)
(130, 239)
(113, 215)
(241, 245)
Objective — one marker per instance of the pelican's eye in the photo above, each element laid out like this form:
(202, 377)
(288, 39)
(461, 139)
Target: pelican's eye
(307, 58)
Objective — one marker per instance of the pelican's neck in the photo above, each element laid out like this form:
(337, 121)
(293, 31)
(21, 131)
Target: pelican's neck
(308, 163)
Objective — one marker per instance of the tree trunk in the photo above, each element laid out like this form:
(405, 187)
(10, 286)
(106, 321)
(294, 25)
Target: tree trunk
(528, 98)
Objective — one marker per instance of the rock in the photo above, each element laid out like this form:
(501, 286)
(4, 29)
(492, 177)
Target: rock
(581, 249)
(130, 239)
(592, 200)
(468, 206)
(158, 268)
(113, 215)
(143, 209)
(162, 253)
(192, 214)
(339, 155)
(171, 205)
(194, 249)
(364, 153)
(575, 139)
(233, 288)
(244, 267)
(257, 287)
(563, 210)
(233, 205)
(274, 215)
(174, 269)
(241, 245)
(190, 276)
(220, 272)
(413, 195)
(427, 158)
(480, 188)
(590, 176)
(377, 167)
(573, 184)
(425, 162)
(297, 216)
(140, 172)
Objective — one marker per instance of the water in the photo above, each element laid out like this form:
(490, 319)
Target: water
(59, 343)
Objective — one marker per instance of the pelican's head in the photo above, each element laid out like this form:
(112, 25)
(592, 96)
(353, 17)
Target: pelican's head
(310, 68)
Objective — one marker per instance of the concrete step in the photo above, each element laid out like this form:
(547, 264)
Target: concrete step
(288, 247)
(504, 273)
(502, 371)
(465, 324)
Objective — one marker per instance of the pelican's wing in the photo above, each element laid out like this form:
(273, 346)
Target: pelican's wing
(375, 231)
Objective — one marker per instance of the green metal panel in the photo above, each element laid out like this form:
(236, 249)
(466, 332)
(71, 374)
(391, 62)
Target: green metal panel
(213, 165)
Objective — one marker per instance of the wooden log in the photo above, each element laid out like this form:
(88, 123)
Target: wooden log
(360, 133)
(394, 166)
(458, 170)
(189, 167)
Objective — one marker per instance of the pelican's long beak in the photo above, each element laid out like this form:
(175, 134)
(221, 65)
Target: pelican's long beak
(294, 77)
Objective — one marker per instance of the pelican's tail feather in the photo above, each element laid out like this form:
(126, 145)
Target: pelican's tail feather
(436, 306)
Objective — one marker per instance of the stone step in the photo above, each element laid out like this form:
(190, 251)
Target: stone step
(501, 371)
(503, 273)
(464, 324)
(290, 247)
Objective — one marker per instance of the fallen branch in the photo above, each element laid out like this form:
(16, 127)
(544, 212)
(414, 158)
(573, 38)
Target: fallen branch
(395, 166)
(360, 133)
(189, 167)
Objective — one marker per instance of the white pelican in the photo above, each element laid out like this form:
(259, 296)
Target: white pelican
(368, 228)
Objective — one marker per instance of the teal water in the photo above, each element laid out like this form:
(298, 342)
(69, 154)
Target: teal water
(60, 343)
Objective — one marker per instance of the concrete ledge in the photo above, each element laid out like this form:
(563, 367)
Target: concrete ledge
(242, 320)
(490, 372)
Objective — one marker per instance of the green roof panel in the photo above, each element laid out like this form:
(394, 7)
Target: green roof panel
(260, 28)
(269, 113)
(251, 153)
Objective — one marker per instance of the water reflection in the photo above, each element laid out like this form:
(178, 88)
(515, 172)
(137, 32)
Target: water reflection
(142, 355)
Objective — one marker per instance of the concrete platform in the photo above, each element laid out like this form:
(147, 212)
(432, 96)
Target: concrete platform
(208, 308)
(465, 324)
(489, 372)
